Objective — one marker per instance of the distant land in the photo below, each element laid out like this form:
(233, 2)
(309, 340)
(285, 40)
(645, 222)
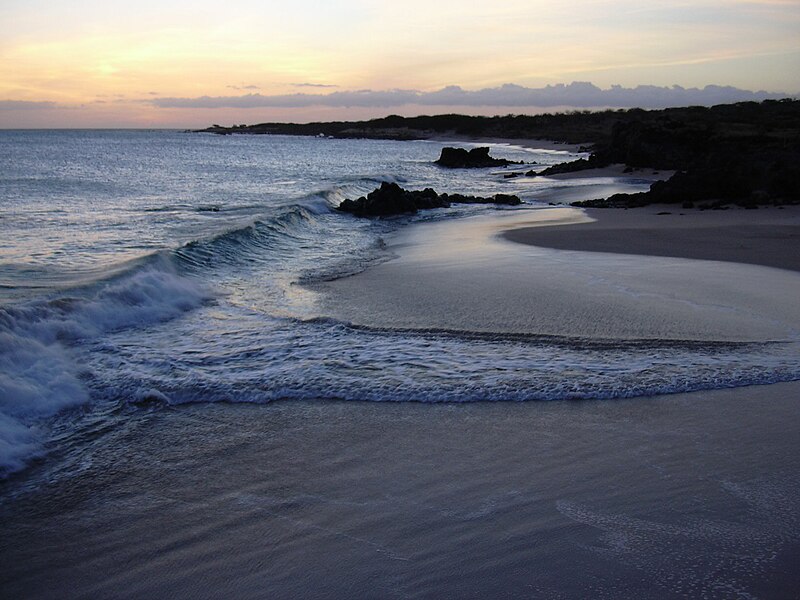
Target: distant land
(745, 153)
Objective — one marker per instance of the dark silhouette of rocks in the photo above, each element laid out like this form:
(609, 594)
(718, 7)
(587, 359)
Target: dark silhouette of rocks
(582, 164)
(576, 127)
(391, 199)
(745, 153)
(509, 199)
(461, 158)
(741, 155)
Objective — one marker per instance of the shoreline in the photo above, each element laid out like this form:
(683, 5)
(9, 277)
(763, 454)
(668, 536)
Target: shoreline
(769, 237)
(466, 275)
(527, 143)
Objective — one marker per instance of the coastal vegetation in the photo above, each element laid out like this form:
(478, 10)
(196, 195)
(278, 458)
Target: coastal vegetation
(745, 153)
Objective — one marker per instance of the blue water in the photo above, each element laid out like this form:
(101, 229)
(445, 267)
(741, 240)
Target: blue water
(152, 268)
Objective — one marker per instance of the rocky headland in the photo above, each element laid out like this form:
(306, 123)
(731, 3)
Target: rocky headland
(745, 153)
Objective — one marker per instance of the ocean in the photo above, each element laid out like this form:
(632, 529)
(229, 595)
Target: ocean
(164, 265)
(158, 287)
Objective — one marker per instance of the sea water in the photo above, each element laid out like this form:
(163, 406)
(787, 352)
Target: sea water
(157, 268)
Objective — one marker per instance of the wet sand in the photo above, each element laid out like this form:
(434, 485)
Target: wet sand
(674, 496)
(691, 495)
(466, 275)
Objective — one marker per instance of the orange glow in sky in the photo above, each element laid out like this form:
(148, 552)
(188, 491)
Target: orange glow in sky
(95, 63)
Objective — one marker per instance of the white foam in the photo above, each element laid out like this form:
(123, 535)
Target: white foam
(18, 444)
(39, 373)
(461, 275)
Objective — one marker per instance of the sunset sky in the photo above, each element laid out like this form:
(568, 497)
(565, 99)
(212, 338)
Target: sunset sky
(181, 63)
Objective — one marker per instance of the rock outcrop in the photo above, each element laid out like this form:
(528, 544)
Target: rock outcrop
(582, 164)
(391, 199)
(746, 174)
(745, 153)
(461, 158)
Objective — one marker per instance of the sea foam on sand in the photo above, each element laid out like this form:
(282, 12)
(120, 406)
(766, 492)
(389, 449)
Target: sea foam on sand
(687, 495)
(464, 275)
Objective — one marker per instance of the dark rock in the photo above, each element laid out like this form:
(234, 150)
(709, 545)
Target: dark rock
(509, 199)
(744, 154)
(582, 164)
(531, 173)
(391, 199)
(460, 158)
(728, 174)
(741, 153)
(616, 201)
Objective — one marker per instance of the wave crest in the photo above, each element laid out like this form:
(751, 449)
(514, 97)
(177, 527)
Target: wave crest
(41, 342)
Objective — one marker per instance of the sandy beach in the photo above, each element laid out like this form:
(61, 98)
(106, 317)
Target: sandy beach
(769, 237)
(486, 418)
(691, 495)
(466, 274)
(300, 301)
(667, 496)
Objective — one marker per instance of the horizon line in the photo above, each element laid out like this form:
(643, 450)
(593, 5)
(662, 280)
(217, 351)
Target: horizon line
(567, 112)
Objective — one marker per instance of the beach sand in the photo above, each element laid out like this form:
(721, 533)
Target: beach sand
(689, 495)
(671, 496)
(467, 275)
(769, 236)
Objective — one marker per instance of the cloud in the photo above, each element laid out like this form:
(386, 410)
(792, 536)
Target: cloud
(26, 105)
(359, 98)
(577, 94)
(314, 85)
(243, 87)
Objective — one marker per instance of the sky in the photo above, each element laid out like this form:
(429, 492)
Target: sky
(181, 63)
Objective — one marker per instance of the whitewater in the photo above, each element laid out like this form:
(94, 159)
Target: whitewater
(143, 269)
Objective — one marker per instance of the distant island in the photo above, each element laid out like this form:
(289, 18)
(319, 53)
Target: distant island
(745, 153)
